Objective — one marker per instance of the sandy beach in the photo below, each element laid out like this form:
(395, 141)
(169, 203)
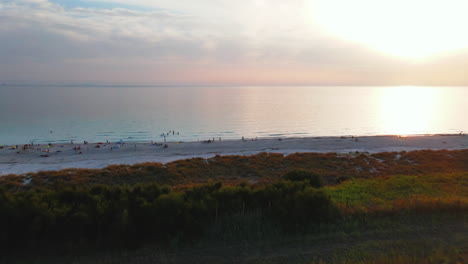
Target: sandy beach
(58, 156)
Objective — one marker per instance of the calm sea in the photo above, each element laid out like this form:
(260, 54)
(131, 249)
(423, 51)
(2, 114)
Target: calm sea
(62, 114)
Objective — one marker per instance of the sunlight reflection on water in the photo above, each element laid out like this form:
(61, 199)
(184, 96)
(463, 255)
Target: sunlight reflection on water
(143, 113)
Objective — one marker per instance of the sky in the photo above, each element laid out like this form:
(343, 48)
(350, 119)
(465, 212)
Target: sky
(227, 42)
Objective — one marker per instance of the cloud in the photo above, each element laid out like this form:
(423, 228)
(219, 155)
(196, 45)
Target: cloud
(179, 42)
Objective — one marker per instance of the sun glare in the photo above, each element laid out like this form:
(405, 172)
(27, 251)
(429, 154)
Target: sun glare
(404, 28)
(407, 110)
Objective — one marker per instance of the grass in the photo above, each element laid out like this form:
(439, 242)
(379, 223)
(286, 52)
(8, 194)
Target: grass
(405, 238)
(396, 191)
(407, 207)
(262, 168)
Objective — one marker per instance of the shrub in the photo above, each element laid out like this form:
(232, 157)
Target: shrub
(315, 180)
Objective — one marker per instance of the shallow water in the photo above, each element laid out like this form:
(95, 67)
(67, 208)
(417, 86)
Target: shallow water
(62, 114)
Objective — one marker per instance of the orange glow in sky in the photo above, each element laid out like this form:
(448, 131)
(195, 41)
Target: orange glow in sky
(412, 29)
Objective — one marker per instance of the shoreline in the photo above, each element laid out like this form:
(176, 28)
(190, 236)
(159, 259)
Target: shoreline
(63, 156)
(281, 136)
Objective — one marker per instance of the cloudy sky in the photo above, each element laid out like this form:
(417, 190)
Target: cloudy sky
(242, 42)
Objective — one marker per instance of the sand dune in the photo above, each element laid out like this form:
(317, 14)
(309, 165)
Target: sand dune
(14, 161)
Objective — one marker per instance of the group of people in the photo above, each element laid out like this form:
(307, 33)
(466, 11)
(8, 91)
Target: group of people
(167, 134)
(353, 138)
(253, 139)
(159, 144)
(211, 140)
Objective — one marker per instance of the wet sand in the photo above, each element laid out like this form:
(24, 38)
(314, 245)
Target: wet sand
(14, 161)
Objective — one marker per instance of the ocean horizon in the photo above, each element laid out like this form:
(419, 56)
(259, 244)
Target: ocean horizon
(61, 114)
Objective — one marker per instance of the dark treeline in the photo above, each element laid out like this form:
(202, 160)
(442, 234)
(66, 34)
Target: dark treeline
(127, 216)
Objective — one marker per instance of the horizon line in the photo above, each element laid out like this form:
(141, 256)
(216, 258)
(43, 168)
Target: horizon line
(5, 84)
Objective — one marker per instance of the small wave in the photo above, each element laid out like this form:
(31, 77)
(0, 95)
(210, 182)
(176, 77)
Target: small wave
(136, 133)
(61, 140)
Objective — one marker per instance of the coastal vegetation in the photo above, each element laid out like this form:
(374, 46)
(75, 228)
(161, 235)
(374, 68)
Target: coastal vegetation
(408, 207)
(260, 169)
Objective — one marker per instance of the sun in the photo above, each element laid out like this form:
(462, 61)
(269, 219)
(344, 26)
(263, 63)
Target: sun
(402, 28)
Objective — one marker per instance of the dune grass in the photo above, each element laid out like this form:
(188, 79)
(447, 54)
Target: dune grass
(262, 168)
(401, 191)
(383, 208)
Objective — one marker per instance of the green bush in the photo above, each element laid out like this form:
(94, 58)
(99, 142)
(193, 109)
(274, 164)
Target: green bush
(315, 180)
(129, 216)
